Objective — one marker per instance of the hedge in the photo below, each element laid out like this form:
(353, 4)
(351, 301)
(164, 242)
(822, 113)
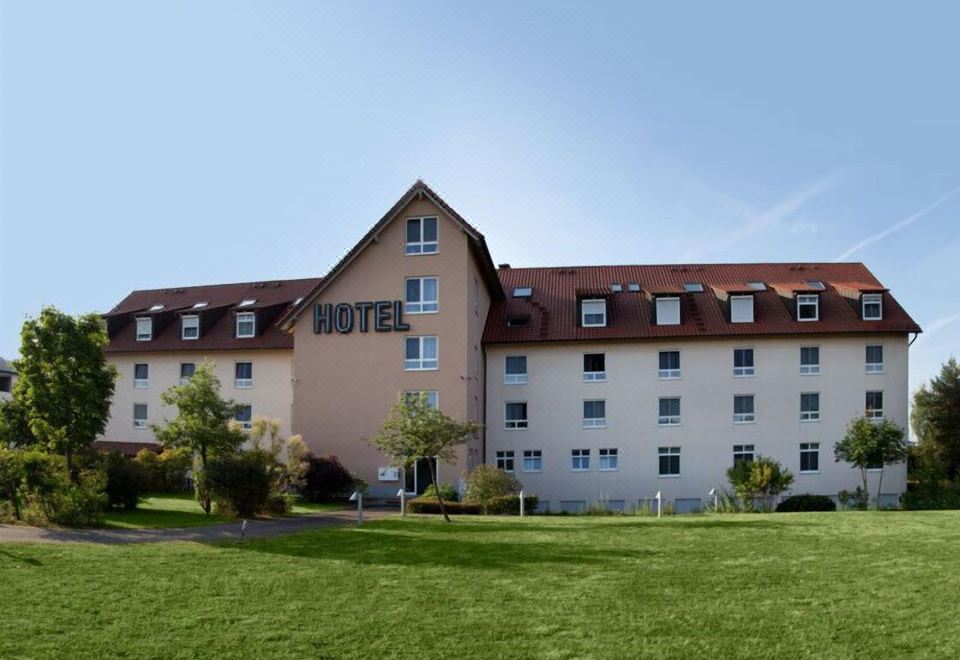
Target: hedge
(796, 503)
(505, 505)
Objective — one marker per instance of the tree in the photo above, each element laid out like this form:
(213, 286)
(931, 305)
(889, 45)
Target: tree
(762, 478)
(416, 430)
(64, 382)
(870, 443)
(202, 424)
(936, 417)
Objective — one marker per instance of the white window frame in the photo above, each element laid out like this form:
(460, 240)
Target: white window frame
(519, 424)
(608, 459)
(809, 415)
(422, 247)
(420, 363)
(144, 320)
(744, 372)
(581, 457)
(668, 452)
(594, 376)
(745, 418)
(743, 316)
(186, 379)
(593, 422)
(674, 308)
(246, 317)
(669, 420)
(810, 448)
(593, 302)
(809, 369)
(743, 451)
(874, 413)
(670, 374)
(871, 299)
(141, 383)
(518, 378)
(873, 367)
(189, 322)
(141, 423)
(242, 383)
(246, 425)
(807, 299)
(502, 457)
(536, 458)
(421, 306)
(431, 394)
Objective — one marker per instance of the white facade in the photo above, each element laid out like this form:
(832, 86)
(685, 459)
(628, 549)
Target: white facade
(556, 389)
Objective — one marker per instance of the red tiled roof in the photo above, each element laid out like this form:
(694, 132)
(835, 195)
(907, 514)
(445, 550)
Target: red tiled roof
(273, 298)
(553, 316)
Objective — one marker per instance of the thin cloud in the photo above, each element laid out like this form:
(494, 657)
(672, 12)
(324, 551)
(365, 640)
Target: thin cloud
(939, 324)
(772, 217)
(909, 220)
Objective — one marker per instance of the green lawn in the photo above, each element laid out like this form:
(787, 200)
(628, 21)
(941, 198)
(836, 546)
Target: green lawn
(180, 510)
(870, 585)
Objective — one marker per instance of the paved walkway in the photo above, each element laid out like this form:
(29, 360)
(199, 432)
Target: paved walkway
(256, 529)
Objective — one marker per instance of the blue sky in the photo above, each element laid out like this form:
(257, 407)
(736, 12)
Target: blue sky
(159, 144)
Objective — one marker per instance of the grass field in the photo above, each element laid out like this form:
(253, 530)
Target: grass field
(870, 585)
(179, 510)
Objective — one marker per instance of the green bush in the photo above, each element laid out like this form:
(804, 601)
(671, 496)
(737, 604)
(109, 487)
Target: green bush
(931, 495)
(760, 480)
(856, 499)
(279, 504)
(240, 484)
(166, 472)
(806, 502)
(430, 505)
(448, 492)
(127, 481)
(486, 482)
(509, 505)
(326, 480)
(81, 504)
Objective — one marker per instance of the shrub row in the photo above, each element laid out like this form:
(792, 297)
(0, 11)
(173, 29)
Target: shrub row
(796, 503)
(502, 505)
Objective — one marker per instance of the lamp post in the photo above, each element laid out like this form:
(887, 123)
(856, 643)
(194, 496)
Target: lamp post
(659, 507)
(358, 498)
(521, 505)
(402, 494)
(713, 493)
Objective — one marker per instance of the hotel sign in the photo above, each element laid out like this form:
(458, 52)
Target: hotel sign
(386, 316)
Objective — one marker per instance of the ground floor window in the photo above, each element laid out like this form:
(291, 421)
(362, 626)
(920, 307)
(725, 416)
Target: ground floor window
(742, 454)
(532, 460)
(505, 460)
(809, 456)
(669, 461)
(580, 460)
(609, 459)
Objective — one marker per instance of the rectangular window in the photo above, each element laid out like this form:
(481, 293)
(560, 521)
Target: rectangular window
(243, 375)
(669, 461)
(809, 456)
(144, 329)
(669, 412)
(515, 370)
(875, 405)
(872, 307)
(595, 414)
(593, 313)
(609, 460)
(669, 365)
(245, 417)
(741, 309)
(190, 327)
(742, 454)
(139, 415)
(422, 236)
(668, 311)
(808, 307)
(421, 295)
(594, 367)
(743, 362)
(515, 415)
(431, 396)
(532, 460)
(743, 412)
(579, 460)
(810, 407)
(809, 360)
(141, 376)
(420, 354)
(6, 383)
(246, 325)
(505, 460)
(874, 364)
(187, 369)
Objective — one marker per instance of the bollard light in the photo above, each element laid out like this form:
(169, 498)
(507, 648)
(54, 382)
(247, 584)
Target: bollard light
(659, 507)
(243, 529)
(358, 498)
(713, 493)
(521, 504)
(402, 494)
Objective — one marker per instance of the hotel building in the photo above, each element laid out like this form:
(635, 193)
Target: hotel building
(595, 384)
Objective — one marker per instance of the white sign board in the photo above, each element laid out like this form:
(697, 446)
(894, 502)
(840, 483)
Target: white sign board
(388, 474)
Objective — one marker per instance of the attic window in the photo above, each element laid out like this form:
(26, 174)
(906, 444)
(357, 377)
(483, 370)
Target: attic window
(247, 302)
(757, 286)
(668, 311)
(200, 305)
(633, 287)
(156, 308)
(741, 309)
(593, 313)
(616, 288)
(872, 307)
(816, 284)
(693, 287)
(518, 321)
(808, 307)
(144, 328)
(522, 292)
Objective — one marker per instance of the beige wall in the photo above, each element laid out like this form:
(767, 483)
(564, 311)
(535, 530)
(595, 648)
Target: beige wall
(344, 383)
(270, 396)
(555, 392)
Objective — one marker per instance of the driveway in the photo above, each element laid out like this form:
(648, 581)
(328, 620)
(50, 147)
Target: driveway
(256, 529)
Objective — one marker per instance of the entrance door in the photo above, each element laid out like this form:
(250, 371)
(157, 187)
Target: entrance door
(416, 478)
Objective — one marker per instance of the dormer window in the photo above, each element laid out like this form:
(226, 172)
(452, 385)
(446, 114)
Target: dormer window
(422, 236)
(808, 307)
(593, 313)
(741, 309)
(668, 311)
(246, 325)
(522, 292)
(872, 306)
(693, 287)
(144, 329)
(190, 327)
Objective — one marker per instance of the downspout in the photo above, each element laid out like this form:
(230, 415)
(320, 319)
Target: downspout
(915, 335)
